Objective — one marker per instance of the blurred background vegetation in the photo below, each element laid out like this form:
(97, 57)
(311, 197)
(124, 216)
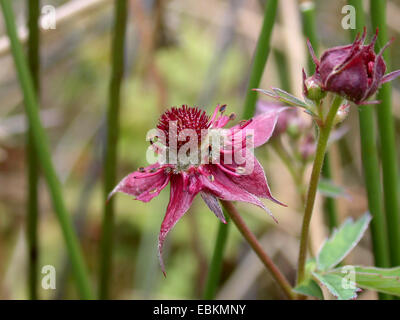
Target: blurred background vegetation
(177, 52)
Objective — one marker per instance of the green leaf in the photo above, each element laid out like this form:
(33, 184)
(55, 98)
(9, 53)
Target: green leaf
(285, 97)
(378, 279)
(329, 189)
(342, 241)
(309, 288)
(338, 286)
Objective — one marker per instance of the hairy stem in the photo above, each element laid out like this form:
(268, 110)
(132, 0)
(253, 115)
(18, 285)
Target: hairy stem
(310, 31)
(256, 246)
(323, 136)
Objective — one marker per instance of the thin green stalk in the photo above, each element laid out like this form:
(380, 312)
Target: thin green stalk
(260, 59)
(323, 136)
(214, 274)
(310, 31)
(32, 203)
(370, 161)
(388, 140)
(256, 246)
(120, 19)
(43, 151)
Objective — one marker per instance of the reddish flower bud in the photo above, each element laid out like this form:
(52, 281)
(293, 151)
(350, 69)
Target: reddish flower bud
(353, 71)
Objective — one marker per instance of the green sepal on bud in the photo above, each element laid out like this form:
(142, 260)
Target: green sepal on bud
(312, 89)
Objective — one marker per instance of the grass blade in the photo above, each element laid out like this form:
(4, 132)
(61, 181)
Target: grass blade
(110, 161)
(43, 151)
(387, 139)
(32, 203)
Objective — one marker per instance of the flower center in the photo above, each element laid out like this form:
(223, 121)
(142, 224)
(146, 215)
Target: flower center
(176, 120)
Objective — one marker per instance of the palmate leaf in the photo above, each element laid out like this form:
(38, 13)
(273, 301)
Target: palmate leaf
(342, 241)
(309, 288)
(338, 285)
(378, 279)
(284, 97)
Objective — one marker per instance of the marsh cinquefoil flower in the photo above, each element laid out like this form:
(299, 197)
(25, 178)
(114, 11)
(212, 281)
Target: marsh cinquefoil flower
(353, 71)
(229, 172)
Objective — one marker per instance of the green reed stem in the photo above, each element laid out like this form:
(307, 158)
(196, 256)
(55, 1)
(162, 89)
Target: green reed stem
(33, 176)
(260, 57)
(370, 161)
(257, 69)
(43, 152)
(256, 246)
(310, 31)
(388, 140)
(110, 161)
(214, 274)
(323, 136)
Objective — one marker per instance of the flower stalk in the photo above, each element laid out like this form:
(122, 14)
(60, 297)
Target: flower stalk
(120, 19)
(43, 151)
(309, 29)
(325, 128)
(256, 246)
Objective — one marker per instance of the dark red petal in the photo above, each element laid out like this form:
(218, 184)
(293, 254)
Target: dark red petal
(224, 188)
(213, 204)
(179, 202)
(144, 184)
(255, 182)
(262, 126)
(352, 82)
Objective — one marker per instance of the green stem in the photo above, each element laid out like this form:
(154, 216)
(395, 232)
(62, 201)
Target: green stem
(329, 203)
(43, 152)
(370, 161)
(32, 203)
(256, 246)
(310, 31)
(260, 59)
(214, 274)
(387, 139)
(323, 136)
(120, 19)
